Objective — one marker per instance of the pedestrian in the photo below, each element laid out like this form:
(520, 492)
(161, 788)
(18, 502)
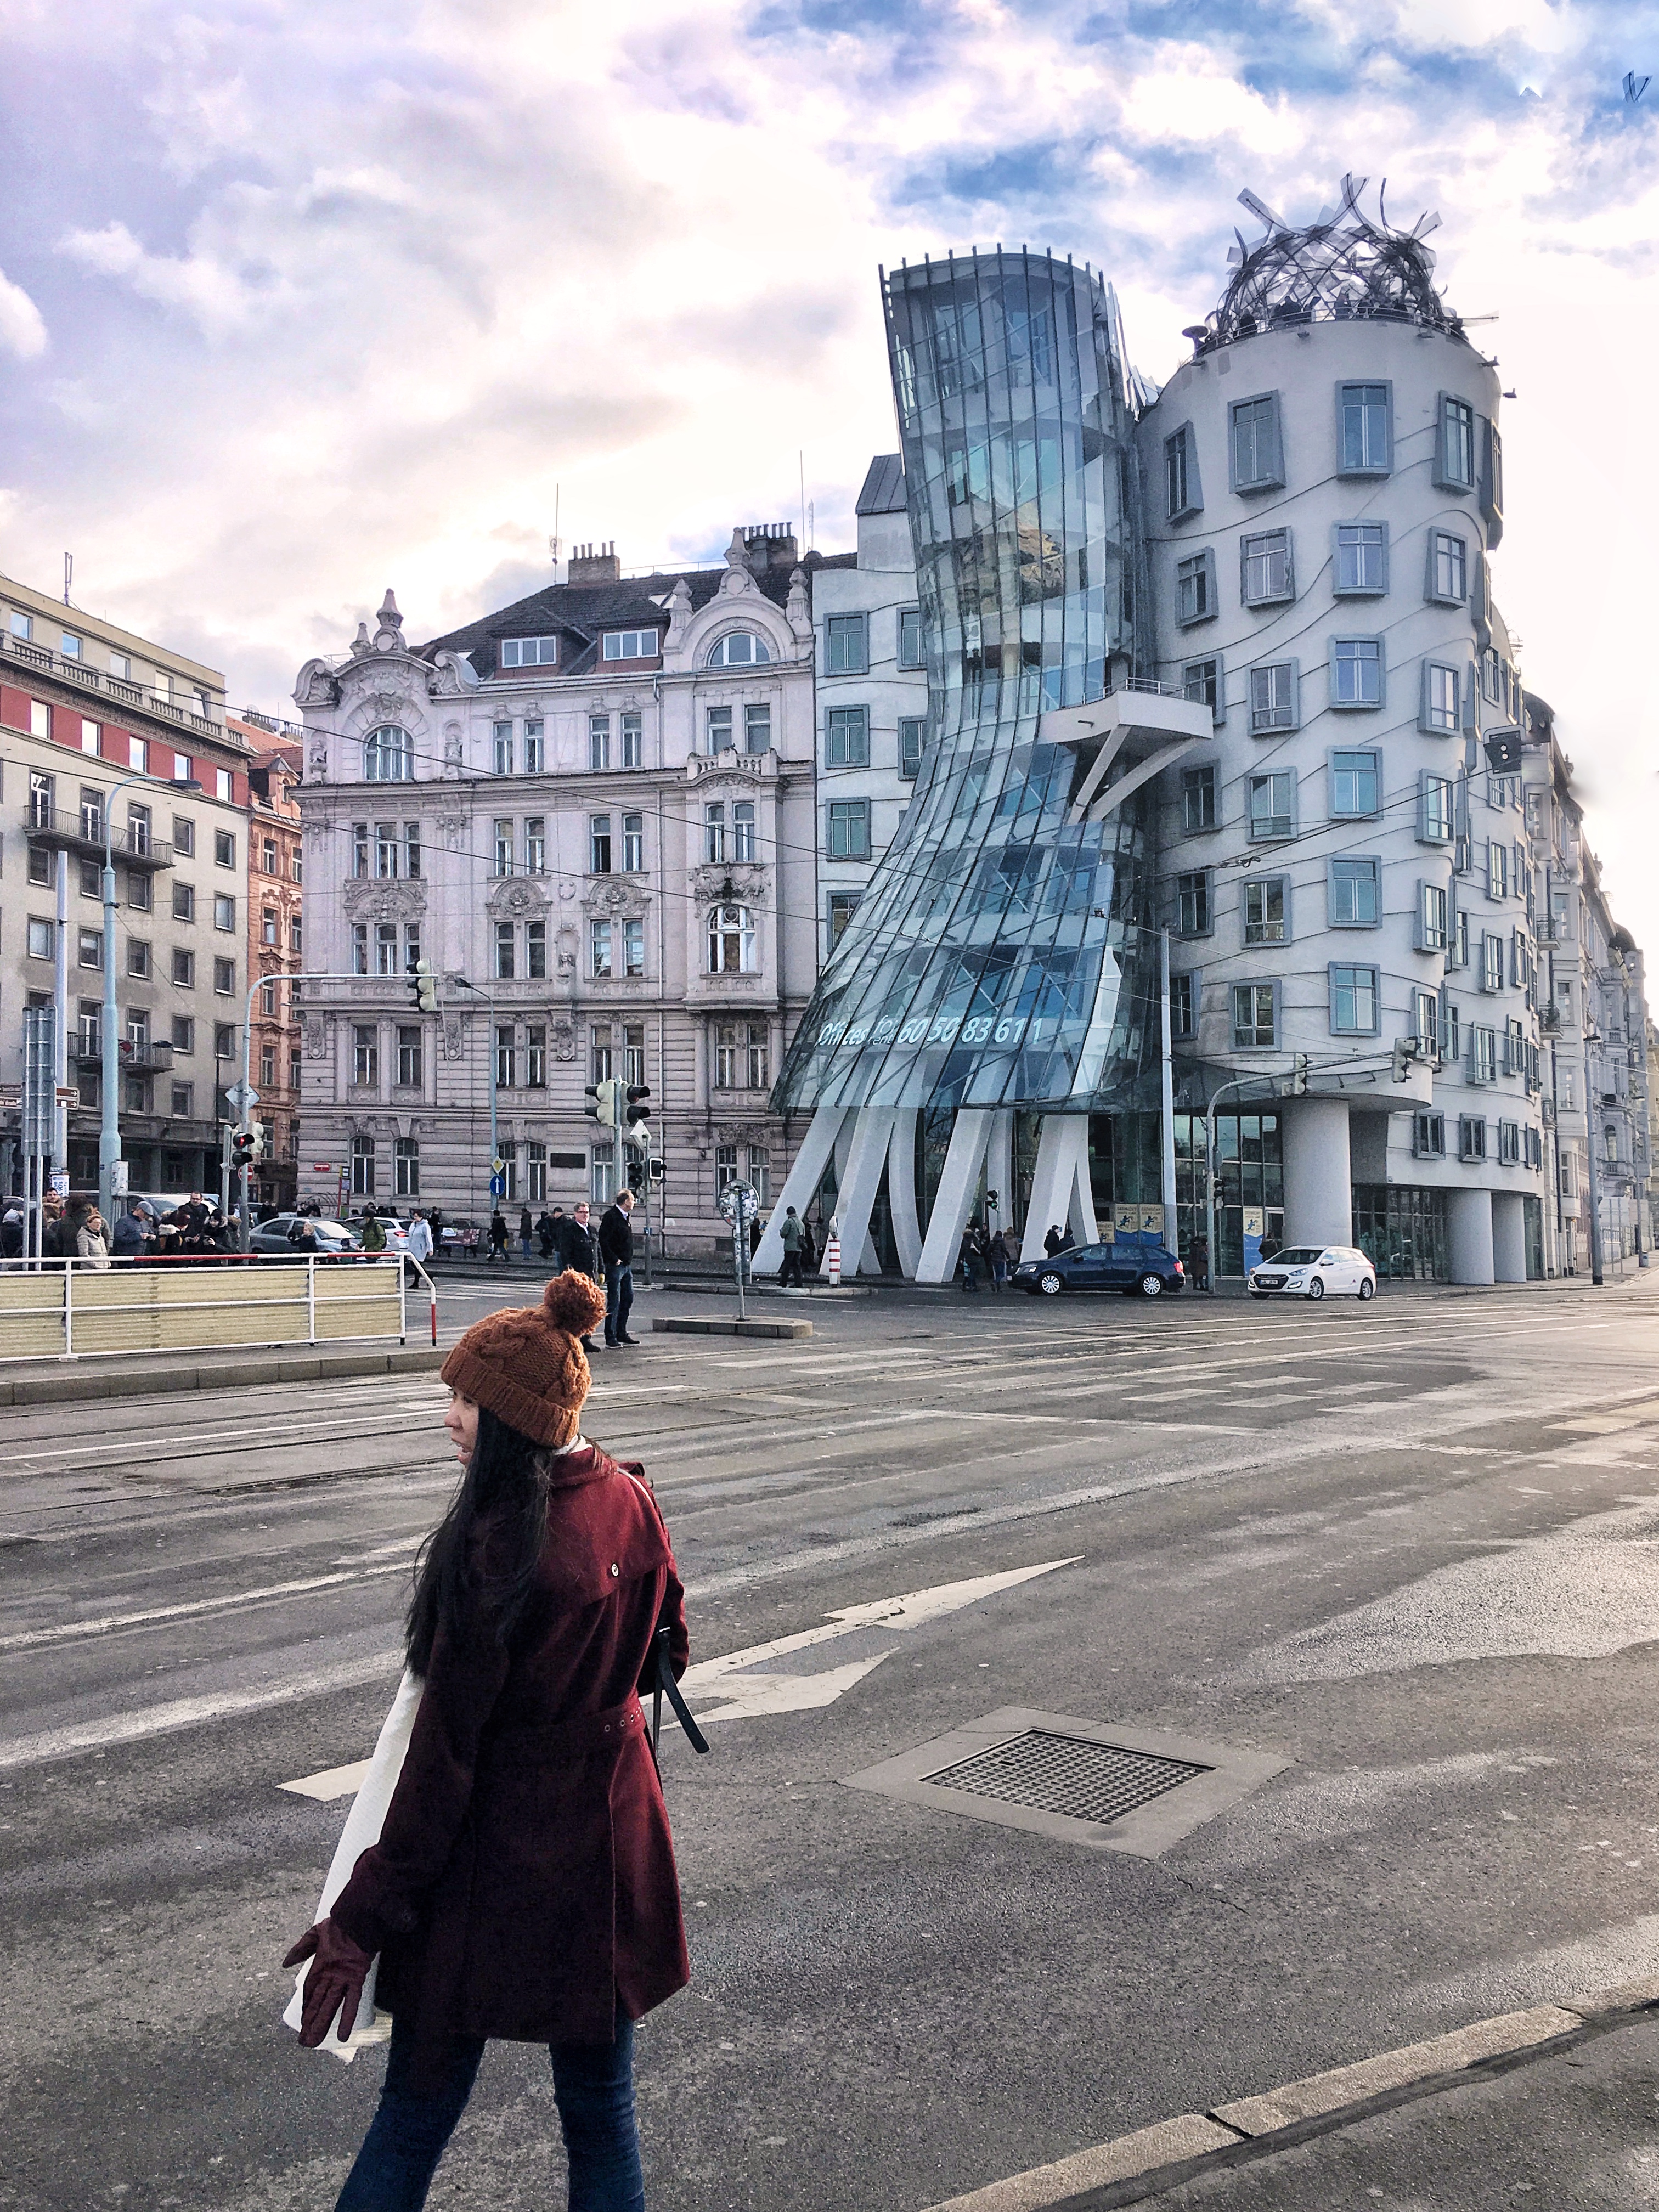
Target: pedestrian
(579, 1249)
(302, 1236)
(92, 1240)
(374, 1236)
(809, 1248)
(1057, 1240)
(131, 1234)
(544, 1233)
(790, 1235)
(968, 1257)
(193, 1223)
(11, 1232)
(419, 1240)
(1199, 1260)
(523, 1884)
(616, 1252)
(498, 1236)
(526, 1232)
(1000, 1262)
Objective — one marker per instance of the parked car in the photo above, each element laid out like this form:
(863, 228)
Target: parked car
(334, 1239)
(1127, 1264)
(1309, 1271)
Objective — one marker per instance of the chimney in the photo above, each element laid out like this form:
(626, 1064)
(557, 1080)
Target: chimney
(587, 566)
(770, 545)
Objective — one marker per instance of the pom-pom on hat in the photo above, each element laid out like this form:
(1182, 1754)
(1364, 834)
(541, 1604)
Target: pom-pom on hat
(526, 1363)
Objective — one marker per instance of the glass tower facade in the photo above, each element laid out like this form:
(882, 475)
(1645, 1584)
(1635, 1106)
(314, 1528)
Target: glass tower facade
(1001, 955)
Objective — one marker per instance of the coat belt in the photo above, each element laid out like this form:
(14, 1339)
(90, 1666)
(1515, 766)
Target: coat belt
(564, 1741)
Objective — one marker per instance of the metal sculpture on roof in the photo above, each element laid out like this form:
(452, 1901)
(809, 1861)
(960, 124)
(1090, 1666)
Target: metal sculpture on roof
(1344, 265)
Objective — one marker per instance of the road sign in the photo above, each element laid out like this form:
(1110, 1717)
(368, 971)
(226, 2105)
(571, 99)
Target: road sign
(322, 1167)
(498, 1186)
(738, 1202)
(67, 1095)
(241, 1097)
(60, 1182)
(498, 1167)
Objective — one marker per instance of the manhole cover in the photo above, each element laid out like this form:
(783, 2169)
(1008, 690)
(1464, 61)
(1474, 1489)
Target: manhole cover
(1065, 1774)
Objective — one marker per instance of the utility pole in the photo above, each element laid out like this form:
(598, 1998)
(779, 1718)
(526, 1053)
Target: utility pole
(1171, 1233)
(1592, 1116)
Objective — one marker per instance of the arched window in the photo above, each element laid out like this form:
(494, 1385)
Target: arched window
(731, 941)
(389, 755)
(739, 648)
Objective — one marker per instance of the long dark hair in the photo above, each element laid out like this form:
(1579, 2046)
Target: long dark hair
(506, 1483)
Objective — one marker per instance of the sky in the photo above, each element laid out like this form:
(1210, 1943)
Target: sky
(302, 299)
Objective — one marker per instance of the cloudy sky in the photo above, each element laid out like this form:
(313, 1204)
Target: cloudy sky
(302, 298)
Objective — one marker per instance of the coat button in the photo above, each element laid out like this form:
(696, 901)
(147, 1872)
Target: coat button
(615, 1568)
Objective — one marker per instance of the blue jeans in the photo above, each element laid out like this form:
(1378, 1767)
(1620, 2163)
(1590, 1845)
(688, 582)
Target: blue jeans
(592, 2087)
(618, 1303)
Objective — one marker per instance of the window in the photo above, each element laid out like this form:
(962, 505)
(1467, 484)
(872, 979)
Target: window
(602, 1175)
(536, 1162)
(632, 948)
(502, 735)
(725, 1056)
(1265, 911)
(1432, 931)
(223, 785)
(1361, 568)
(1183, 494)
(22, 626)
(731, 950)
(1353, 896)
(757, 1060)
(1353, 999)
(140, 891)
(910, 638)
(504, 944)
(599, 844)
(88, 946)
(1255, 450)
(1183, 1005)
(1193, 904)
(42, 944)
(1508, 1143)
(1195, 593)
(757, 727)
(1471, 1137)
(224, 848)
(184, 1034)
(224, 978)
(503, 834)
(1453, 458)
(1271, 804)
(634, 1055)
(184, 968)
(741, 649)
(743, 829)
(629, 645)
(718, 723)
(843, 905)
(1483, 1053)
(138, 824)
(268, 857)
(725, 1167)
(910, 730)
(412, 849)
(268, 1067)
(633, 741)
(409, 1059)
(846, 639)
(183, 837)
(505, 1040)
(1363, 432)
(535, 748)
(183, 1101)
(388, 756)
(1425, 1021)
(1491, 962)
(1429, 1135)
(535, 950)
(633, 843)
(1254, 1025)
(386, 948)
(359, 850)
(1356, 784)
(1197, 800)
(527, 652)
(267, 925)
(41, 865)
(1201, 681)
(1441, 687)
(847, 737)
(598, 741)
(714, 831)
(138, 956)
(91, 878)
(406, 1167)
(599, 949)
(1265, 567)
(183, 902)
(599, 1053)
(535, 845)
(1434, 809)
(224, 1041)
(360, 948)
(1272, 697)
(535, 1056)
(1498, 869)
(365, 1053)
(363, 1167)
(849, 829)
(1447, 579)
(1356, 672)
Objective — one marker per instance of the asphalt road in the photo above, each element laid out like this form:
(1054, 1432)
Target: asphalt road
(1406, 1549)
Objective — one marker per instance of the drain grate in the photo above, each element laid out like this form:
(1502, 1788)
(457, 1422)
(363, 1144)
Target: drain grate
(1066, 1774)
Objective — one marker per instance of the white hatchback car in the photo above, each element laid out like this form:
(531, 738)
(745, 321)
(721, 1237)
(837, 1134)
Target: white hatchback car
(1309, 1271)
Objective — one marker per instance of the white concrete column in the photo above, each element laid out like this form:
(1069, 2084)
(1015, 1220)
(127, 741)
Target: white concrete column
(799, 1184)
(1508, 1237)
(999, 1165)
(1060, 1191)
(860, 1180)
(1318, 1180)
(901, 1191)
(1468, 1222)
(958, 1185)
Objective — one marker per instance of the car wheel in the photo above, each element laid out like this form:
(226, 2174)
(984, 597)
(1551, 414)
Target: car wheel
(1051, 1285)
(1151, 1286)
(1367, 1290)
(1315, 1289)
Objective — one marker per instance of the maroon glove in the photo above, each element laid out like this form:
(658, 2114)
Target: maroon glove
(339, 1970)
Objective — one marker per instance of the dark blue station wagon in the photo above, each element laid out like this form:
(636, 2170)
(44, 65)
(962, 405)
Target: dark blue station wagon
(1127, 1265)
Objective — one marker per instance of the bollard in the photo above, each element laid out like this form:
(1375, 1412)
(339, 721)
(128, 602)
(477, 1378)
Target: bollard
(832, 1259)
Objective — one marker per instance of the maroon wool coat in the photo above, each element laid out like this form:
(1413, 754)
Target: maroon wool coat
(524, 1885)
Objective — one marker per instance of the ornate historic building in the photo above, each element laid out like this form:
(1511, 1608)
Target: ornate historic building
(591, 814)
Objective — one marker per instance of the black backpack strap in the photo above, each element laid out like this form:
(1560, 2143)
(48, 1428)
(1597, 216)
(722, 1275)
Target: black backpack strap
(665, 1684)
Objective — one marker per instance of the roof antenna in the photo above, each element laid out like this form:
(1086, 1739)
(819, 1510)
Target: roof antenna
(553, 541)
(69, 572)
(800, 456)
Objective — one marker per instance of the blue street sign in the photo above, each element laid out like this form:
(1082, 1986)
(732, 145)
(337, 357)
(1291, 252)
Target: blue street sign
(498, 1186)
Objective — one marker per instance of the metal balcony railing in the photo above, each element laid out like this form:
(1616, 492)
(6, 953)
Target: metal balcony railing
(69, 831)
(115, 687)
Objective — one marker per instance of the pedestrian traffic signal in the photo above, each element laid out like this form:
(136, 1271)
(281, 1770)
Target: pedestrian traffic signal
(246, 1144)
(1403, 1053)
(634, 1114)
(604, 1108)
(1299, 1076)
(658, 1170)
(425, 985)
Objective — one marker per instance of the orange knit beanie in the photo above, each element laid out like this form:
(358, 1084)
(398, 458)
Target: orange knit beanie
(525, 1364)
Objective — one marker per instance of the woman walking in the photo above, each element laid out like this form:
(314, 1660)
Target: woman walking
(523, 1886)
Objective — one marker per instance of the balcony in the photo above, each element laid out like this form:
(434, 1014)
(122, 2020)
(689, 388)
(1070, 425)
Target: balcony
(66, 830)
(96, 680)
(152, 1057)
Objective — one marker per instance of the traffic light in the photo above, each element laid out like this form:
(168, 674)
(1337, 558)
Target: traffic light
(1502, 749)
(604, 1108)
(246, 1145)
(425, 984)
(635, 1115)
(1299, 1076)
(1404, 1053)
(659, 1169)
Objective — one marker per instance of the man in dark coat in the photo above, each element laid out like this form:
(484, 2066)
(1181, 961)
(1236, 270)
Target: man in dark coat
(616, 1252)
(1057, 1240)
(579, 1249)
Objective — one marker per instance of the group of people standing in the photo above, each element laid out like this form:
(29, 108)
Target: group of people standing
(602, 1250)
(993, 1255)
(74, 1229)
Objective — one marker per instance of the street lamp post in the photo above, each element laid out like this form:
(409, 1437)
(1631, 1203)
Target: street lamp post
(280, 976)
(109, 1131)
(1240, 1083)
(1592, 1117)
(461, 984)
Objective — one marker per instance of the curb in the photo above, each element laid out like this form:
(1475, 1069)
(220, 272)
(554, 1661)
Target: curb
(686, 1327)
(1131, 2168)
(160, 1382)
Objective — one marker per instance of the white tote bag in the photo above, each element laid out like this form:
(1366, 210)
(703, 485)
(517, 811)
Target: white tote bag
(362, 1828)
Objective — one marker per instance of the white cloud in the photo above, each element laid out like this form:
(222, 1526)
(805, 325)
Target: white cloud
(23, 327)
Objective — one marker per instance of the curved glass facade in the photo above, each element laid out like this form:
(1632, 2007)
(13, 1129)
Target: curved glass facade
(999, 956)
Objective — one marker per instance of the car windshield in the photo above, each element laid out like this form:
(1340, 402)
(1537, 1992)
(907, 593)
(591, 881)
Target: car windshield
(1298, 1256)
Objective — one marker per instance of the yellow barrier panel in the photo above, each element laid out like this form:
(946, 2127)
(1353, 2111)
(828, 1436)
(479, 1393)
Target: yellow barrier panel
(180, 1306)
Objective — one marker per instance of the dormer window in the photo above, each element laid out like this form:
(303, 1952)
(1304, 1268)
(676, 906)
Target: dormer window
(629, 645)
(528, 652)
(741, 649)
